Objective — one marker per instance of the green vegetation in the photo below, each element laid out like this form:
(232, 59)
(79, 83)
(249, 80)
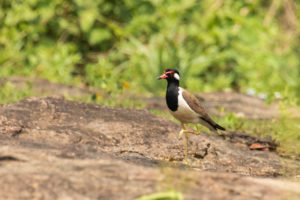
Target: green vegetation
(122, 46)
(170, 195)
(217, 45)
(284, 130)
(9, 93)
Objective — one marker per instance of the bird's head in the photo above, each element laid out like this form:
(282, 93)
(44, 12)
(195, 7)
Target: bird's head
(170, 75)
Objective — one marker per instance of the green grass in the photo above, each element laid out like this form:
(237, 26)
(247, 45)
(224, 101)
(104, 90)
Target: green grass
(111, 100)
(169, 195)
(285, 130)
(9, 93)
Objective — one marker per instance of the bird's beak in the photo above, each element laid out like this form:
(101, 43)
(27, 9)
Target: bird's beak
(162, 77)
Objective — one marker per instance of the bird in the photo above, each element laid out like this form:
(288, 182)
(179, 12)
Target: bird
(186, 108)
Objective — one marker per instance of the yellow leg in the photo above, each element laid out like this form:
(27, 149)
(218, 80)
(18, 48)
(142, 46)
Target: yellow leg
(198, 130)
(184, 131)
(186, 148)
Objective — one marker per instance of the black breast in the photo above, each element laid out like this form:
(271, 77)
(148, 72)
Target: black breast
(172, 97)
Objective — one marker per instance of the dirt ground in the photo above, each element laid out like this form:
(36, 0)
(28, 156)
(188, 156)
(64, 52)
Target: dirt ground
(51, 148)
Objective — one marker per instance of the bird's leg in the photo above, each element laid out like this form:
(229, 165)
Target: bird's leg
(183, 130)
(198, 130)
(186, 148)
(187, 139)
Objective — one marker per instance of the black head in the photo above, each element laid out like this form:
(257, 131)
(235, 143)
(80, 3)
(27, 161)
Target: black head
(170, 75)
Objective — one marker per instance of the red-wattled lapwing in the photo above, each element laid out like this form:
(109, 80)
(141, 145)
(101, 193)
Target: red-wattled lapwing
(185, 107)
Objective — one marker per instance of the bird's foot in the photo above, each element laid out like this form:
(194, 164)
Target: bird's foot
(186, 162)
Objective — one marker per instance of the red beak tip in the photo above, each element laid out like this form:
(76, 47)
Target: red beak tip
(163, 76)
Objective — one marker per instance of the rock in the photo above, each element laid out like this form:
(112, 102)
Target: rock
(51, 148)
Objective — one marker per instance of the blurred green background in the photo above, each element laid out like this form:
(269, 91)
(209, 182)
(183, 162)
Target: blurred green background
(113, 48)
(247, 45)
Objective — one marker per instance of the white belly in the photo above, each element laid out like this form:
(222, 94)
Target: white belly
(184, 113)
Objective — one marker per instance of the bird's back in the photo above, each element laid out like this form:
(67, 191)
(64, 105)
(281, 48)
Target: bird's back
(196, 106)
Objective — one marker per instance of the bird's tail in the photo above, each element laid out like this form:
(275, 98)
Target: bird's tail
(217, 126)
(209, 123)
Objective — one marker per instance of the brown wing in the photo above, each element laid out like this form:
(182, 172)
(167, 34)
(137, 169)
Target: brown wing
(194, 103)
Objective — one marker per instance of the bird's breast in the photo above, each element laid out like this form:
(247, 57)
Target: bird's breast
(184, 113)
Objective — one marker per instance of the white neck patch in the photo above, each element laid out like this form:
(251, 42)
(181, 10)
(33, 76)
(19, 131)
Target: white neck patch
(176, 76)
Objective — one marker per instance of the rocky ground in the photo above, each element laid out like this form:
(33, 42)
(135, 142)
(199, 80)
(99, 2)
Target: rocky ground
(51, 148)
